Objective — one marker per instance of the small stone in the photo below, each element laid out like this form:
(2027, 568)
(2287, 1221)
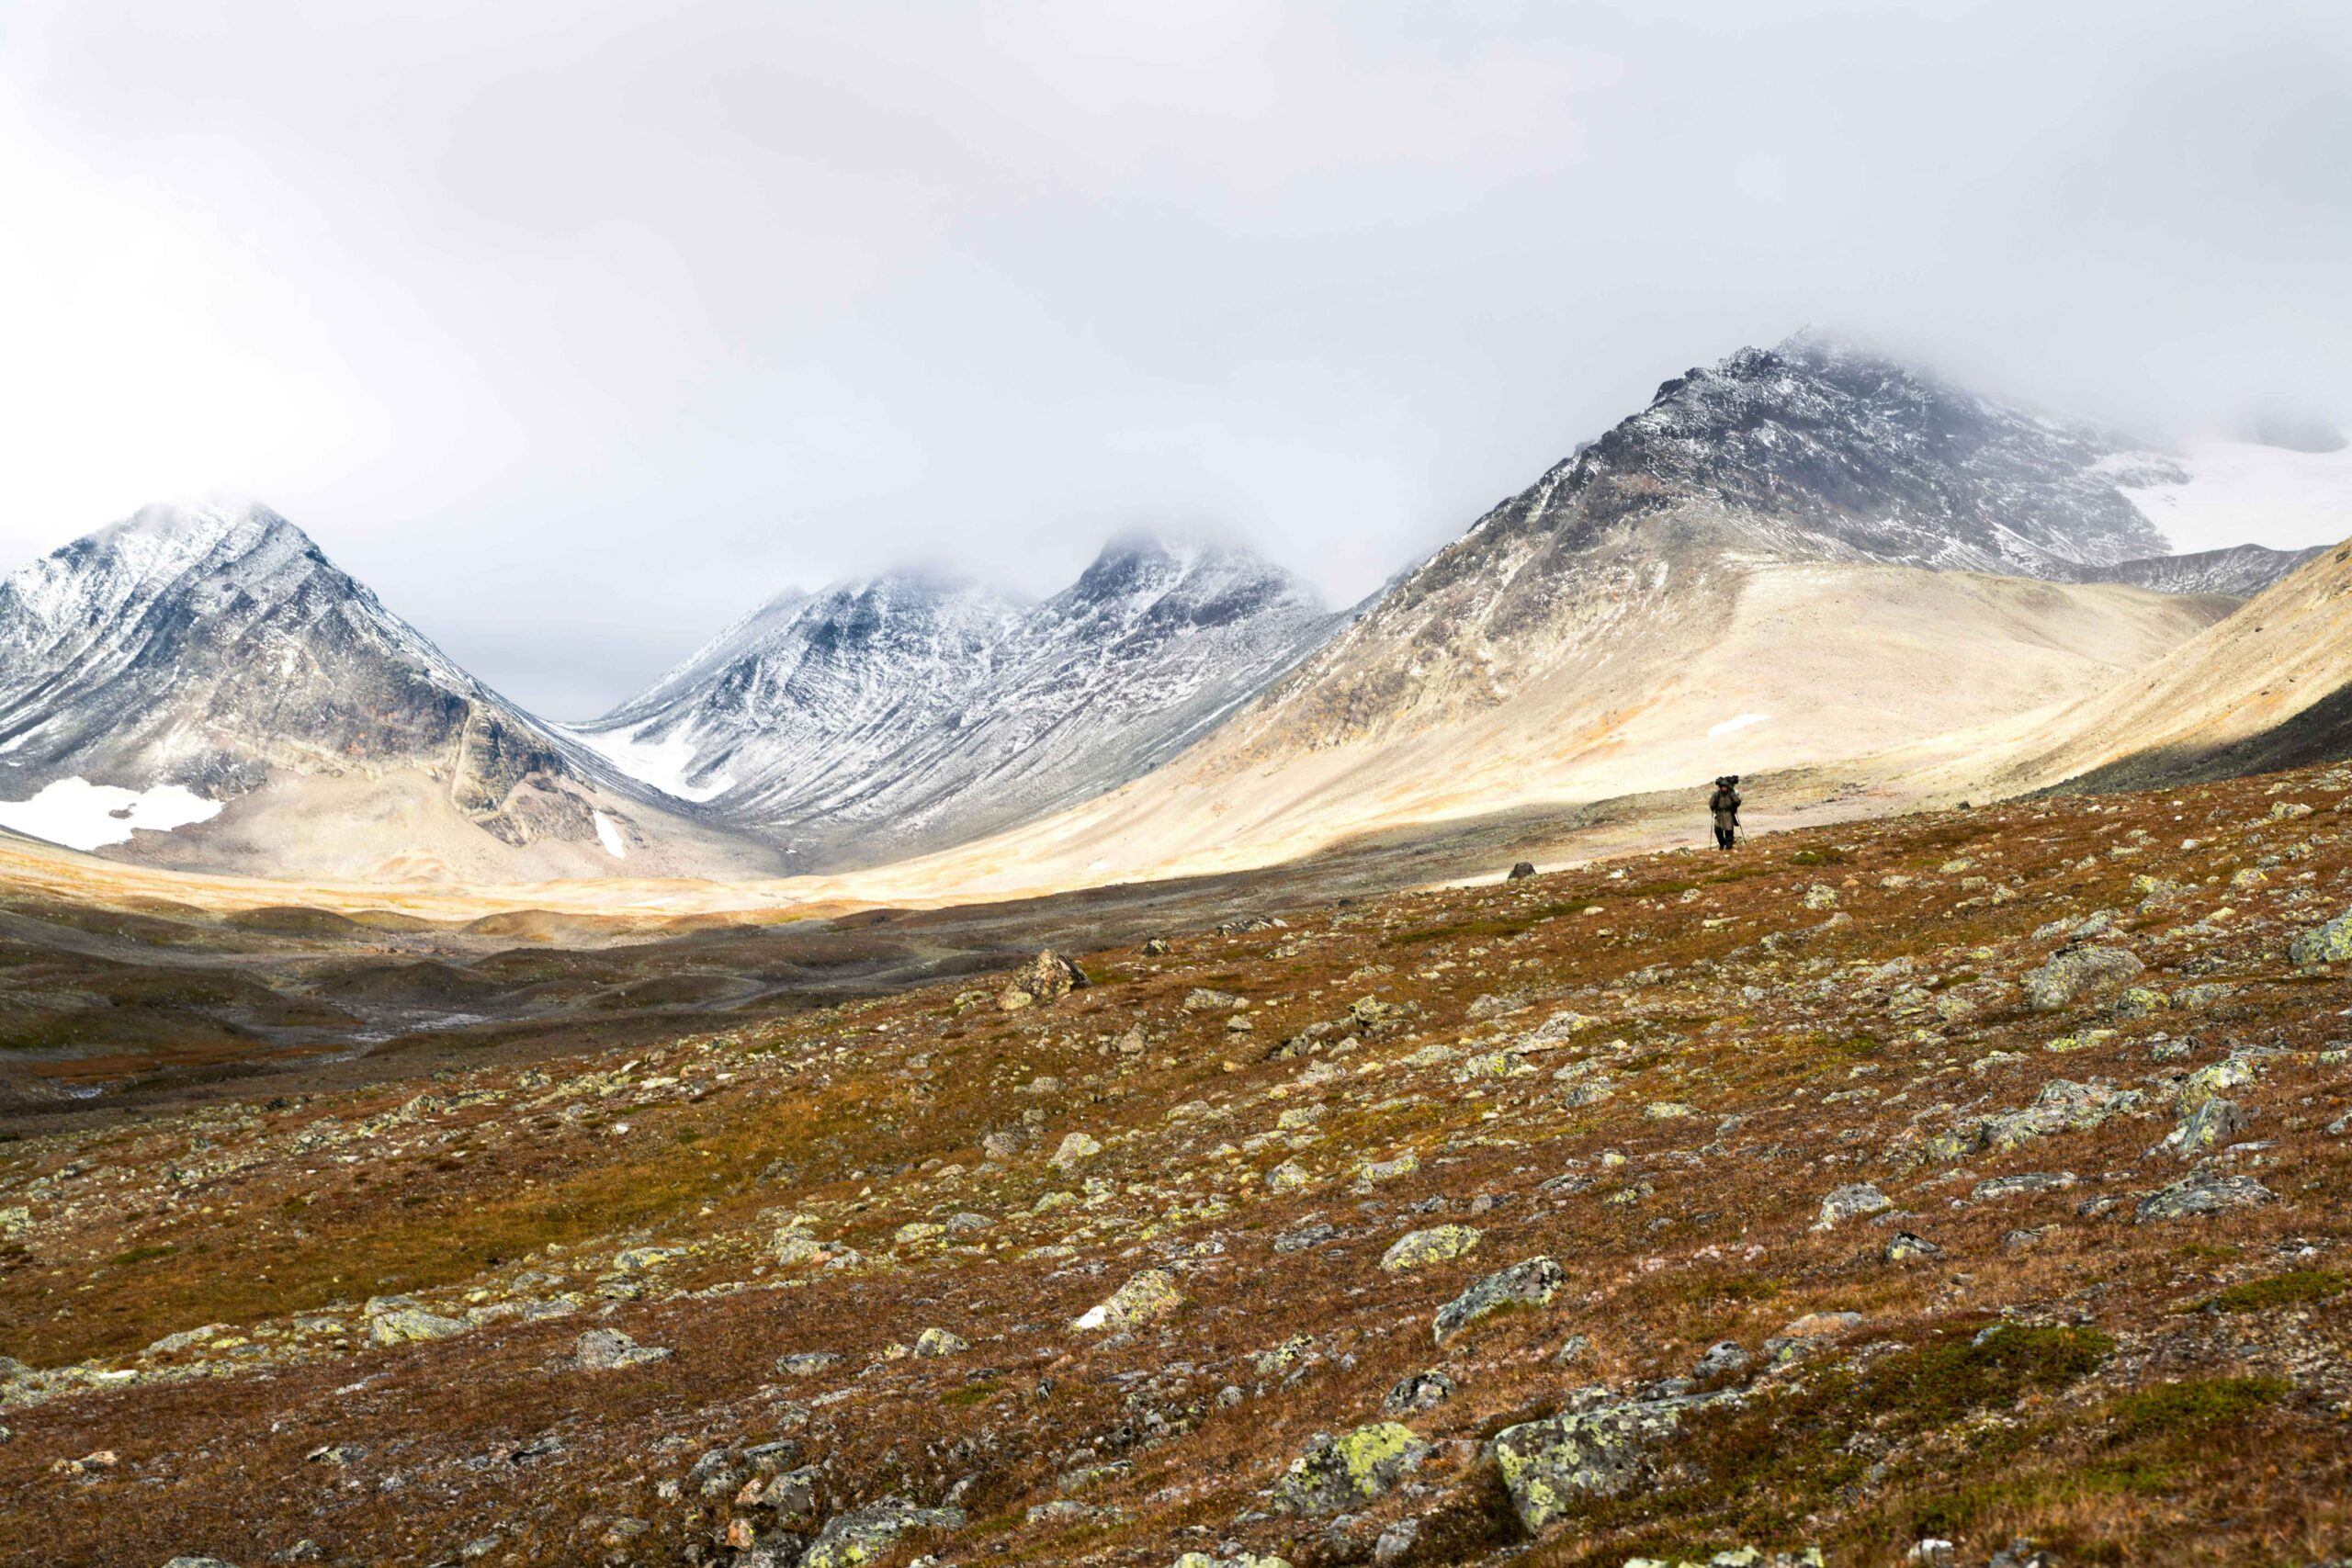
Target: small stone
(1288, 1176)
(804, 1363)
(1418, 1391)
(2027, 1185)
(602, 1349)
(1723, 1359)
(1397, 1540)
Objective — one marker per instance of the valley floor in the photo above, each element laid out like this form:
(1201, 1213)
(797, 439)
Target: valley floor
(1953, 1178)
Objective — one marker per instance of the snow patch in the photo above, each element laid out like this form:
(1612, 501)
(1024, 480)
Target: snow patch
(2241, 493)
(1742, 722)
(610, 836)
(83, 815)
(662, 763)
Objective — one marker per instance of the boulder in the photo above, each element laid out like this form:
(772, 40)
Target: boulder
(1150, 1295)
(2204, 1193)
(396, 1320)
(1548, 1466)
(1349, 1469)
(2080, 974)
(2210, 1126)
(1047, 978)
(939, 1342)
(1906, 1247)
(1851, 1202)
(2330, 943)
(1418, 1249)
(1075, 1149)
(1288, 1176)
(1531, 1283)
(864, 1534)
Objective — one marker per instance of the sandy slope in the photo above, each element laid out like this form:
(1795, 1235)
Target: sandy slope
(1842, 661)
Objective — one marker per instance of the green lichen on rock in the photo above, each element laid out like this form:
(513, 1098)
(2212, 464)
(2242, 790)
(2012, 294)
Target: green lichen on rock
(2080, 974)
(1550, 1466)
(1418, 1249)
(1349, 1469)
(1150, 1295)
(849, 1539)
(1531, 1283)
(2330, 943)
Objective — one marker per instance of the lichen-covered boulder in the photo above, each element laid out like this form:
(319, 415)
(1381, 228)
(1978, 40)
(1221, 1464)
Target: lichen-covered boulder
(1047, 978)
(939, 1342)
(866, 1533)
(1288, 1176)
(1851, 1203)
(2330, 943)
(2080, 974)
(396, 1320)
(2204, 1193)
(1418, 1249)
(1150, 1295)
(1074, 1150)
(1548, 1466)
(2214, 1081)
(2209, 1127)
(1351, 1469)
(1531, 1283)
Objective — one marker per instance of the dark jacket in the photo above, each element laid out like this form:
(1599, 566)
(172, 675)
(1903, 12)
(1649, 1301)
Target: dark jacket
(1724, 804)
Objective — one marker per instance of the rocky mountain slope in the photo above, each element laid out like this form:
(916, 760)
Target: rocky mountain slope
(1781, 562)
(883, 717)
(2241, 569)
(1902, 1190)
(209, 672)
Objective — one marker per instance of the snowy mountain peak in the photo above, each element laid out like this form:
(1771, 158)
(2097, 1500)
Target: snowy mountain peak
(913, 709)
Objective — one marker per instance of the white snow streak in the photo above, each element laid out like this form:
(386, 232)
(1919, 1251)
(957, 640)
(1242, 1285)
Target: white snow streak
(664, 763)
(1742, 722)
(83, 815)
(610, 836)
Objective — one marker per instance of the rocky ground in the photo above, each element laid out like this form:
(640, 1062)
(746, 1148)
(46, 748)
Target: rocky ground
(1959, 1188)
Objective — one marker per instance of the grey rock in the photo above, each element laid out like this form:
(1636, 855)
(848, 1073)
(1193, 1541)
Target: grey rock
(1850, 1203)
(2203, 1193)
(1723, 1359)
(1531, 1283)
(1418, 1391)
(2080, 974)
(864, 1534)
(1905, 1248)
(2003, 1187)
(1349, 1469)
(2210, 1126)
(1549, 1466)
(604, 1350)
(2330, 943)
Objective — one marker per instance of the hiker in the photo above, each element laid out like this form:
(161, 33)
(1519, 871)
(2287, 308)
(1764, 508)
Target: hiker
(1724, 805)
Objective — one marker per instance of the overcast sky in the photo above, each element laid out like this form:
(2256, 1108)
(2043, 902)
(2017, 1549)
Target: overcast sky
(576, 328)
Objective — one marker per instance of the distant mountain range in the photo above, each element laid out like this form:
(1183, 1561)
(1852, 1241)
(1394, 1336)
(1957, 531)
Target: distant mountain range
(883, 717)
(1813, 549)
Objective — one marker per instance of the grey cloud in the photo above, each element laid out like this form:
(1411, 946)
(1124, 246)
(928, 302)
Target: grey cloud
(577, 329)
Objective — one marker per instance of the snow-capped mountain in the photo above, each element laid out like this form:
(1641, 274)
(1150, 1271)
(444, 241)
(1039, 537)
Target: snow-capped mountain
(197, 668)
(884, 717)
(1796, 555)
